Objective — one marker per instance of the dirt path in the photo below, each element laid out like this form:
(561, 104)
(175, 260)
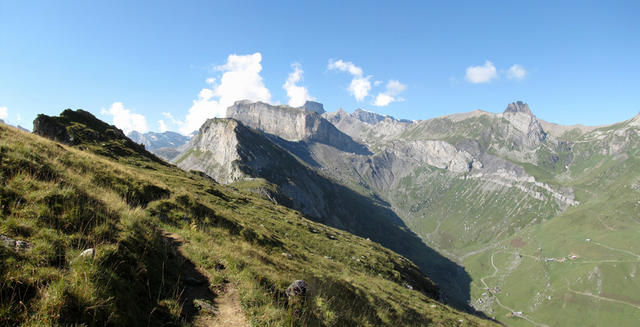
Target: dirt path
(230, 313)
(222, 309)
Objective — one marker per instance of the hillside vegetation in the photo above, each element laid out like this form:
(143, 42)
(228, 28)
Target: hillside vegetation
(105, 193)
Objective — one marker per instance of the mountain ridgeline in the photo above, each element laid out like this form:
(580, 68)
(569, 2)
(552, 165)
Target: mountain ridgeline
(470, 198)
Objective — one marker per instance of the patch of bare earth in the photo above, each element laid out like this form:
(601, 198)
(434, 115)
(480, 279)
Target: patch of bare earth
(221, 308)
(229, 311)
(518, 242)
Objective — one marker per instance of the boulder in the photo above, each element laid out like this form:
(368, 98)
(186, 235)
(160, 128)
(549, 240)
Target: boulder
(205, 306)
(7, 241)
(297, 289)
(16, 245)
(22, 245)
(88, 253)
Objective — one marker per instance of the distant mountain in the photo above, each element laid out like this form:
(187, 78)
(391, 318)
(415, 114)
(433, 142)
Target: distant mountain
(153, 140)
(504, 195)
(165, 145)
(18, 127)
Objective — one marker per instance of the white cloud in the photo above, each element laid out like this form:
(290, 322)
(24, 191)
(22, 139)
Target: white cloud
(240, 80)
(516, 72)
(383, 100)
(394, 88)
(163, 126)
(360, 85)
(345, 66)
(126, 120)
(481, 74)
(4, 113)
(297, 94)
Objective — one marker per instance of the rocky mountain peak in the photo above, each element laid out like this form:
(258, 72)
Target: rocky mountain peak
(292, 124)
(518, 106)
(368, 116)
(521, 118)
(313, 106)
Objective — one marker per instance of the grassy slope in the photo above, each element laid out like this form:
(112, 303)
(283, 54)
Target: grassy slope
(63, 200)
(599, 287)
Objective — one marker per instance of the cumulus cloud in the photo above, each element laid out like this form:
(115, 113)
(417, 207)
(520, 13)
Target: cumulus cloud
(297, 94)
(360, 84)
(481, 74)
(240, 80)
(393, 89)
(126, 120)
(162, 125)
(4, 113)
(516, 72)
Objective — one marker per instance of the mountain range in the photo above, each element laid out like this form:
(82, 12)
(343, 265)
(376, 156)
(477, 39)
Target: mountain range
(506, 200)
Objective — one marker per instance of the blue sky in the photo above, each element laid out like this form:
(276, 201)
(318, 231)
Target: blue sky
(573, 62)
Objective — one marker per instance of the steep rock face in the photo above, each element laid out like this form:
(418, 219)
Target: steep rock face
(292, 124)
(530, 131)
(228, 151)
(313, 106)
(214, 151)
(439, 154)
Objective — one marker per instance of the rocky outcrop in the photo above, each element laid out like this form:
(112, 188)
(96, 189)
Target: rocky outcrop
(313, 106)
(16, 245)
(518, 107)
(81, 128)
(75, 127)
(439, 154)
(214, 151)
(528, 131)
